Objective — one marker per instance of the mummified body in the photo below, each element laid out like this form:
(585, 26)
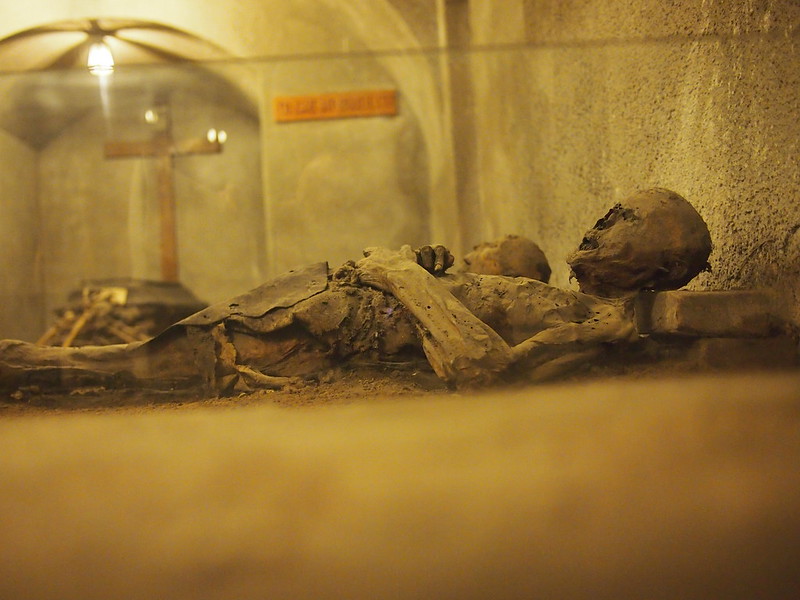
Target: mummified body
(389, 305)
(311, 320)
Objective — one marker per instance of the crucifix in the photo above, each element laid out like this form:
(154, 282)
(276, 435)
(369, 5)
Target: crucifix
(164, 149)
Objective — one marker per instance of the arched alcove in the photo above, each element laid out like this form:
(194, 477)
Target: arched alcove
(266, 29)
(100, 214)
(400, 186)
(92, 214)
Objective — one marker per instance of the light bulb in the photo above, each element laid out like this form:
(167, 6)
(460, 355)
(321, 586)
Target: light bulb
(100, 61)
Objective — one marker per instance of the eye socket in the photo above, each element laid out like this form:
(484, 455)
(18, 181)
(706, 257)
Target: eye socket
(588, 244)
(609, 218)
(616, 213)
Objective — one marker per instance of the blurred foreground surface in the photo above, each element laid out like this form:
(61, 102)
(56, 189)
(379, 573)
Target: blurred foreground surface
(662, 488)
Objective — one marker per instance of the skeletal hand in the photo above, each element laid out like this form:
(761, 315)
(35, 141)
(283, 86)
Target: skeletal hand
(434, 259)
(372, 269)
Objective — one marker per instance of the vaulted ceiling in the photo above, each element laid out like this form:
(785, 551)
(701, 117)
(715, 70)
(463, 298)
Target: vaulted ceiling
(44, 84)
(47, 85)
(65, 44)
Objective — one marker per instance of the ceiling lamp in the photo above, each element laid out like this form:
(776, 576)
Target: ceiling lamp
(101, 61)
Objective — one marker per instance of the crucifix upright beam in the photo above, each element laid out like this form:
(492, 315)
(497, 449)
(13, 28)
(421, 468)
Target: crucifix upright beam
(164, 149)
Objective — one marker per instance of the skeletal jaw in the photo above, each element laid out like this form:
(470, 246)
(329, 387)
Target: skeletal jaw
(653, 240)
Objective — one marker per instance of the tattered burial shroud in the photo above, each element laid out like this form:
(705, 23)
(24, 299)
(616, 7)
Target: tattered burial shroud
(471, 327)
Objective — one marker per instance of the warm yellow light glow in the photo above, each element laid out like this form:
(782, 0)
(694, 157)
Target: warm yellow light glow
(221, 136)
(150, 116)
(100, 61)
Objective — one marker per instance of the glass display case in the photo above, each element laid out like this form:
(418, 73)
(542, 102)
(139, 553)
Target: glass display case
(222, 174)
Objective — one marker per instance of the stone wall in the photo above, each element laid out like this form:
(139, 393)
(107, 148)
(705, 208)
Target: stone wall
(20, 283)
(336, 186)
(604, 98)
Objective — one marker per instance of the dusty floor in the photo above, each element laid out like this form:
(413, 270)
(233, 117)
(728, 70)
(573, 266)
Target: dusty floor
(337, 388)
(348, 385)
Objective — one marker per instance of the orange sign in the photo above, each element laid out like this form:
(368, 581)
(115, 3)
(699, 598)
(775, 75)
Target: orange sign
(337, 105)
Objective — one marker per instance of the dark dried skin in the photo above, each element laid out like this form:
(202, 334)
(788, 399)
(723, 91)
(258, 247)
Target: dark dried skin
(653, 240)
(434, 259)
(511, 256)
(614, 214)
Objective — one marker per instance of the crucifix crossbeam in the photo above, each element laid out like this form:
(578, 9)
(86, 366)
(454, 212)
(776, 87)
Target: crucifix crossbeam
(164, 150)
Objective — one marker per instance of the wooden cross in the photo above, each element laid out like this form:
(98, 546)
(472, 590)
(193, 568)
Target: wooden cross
(164, 149)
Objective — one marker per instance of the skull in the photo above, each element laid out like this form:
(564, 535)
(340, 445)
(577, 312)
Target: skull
(653, 240)
(512, 255)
